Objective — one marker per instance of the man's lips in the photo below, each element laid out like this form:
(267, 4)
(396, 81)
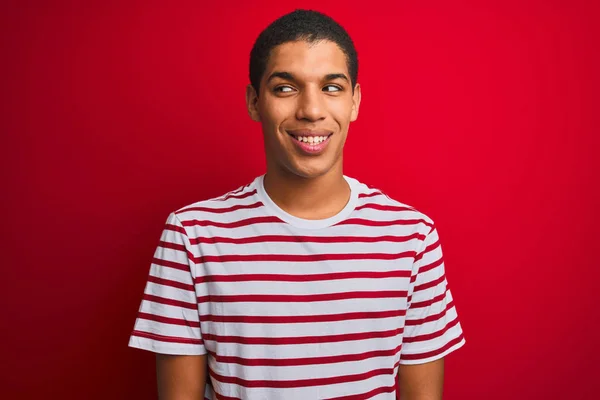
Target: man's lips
(309, 132)
(310, 142)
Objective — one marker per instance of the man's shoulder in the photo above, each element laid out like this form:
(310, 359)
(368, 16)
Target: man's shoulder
(243, 197)
(374, 197)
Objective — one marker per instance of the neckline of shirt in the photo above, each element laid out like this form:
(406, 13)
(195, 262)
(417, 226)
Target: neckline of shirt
(308, 223)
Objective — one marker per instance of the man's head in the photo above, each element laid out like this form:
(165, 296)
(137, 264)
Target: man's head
(303, 73)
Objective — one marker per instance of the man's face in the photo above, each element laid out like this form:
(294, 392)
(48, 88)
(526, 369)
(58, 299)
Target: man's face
(305, 107)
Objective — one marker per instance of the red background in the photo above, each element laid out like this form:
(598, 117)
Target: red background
(483, 115)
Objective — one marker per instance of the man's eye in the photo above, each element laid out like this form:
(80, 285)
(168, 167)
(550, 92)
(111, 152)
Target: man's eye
(278, 89)
(287, 89)
(337, 88)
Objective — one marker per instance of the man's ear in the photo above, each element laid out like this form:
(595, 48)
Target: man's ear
(355, 103)
(252, 103)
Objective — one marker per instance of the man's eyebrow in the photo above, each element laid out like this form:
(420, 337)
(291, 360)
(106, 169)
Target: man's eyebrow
(288, 76)
(283, 75)
(330, 77)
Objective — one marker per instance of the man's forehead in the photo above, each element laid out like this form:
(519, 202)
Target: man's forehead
(305, 59)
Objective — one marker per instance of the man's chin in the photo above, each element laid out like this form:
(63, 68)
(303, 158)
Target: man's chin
(310, 169)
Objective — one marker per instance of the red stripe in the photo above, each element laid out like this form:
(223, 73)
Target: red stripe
(346, 337)
(302, 298)
(433, 335)
(427, 303)
(291, 319)
(384, 207)
(170, 302)
(168, 320)
(169, 282)
(428, 285)
(432, 353)
(301, 382)
(171, 264)
(273, 219)
(235, 224)
(429, 248)
(174, 246)
(175, 228)
(288, 362)
(372, 194)
(428, 267)
(303, 278)
(237, 196)
(307, 239)
(302, 257)
(368, 222)
(367, 395)
(430, 318)
(169, 339)
(238, 190)
(224, 209)
(221, 397)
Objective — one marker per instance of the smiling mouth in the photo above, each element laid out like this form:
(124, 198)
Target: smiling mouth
(314, 140)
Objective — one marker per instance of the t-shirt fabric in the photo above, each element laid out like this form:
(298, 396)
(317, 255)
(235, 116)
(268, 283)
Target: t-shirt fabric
(290, 308)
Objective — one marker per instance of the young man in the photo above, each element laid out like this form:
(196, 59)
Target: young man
(305, 283)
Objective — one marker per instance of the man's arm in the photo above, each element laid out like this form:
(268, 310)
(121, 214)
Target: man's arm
(180, 377)
(422, 381)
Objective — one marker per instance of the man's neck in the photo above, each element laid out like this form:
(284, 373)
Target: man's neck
(316, 198)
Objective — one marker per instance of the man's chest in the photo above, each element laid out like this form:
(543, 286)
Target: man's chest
(303, 292)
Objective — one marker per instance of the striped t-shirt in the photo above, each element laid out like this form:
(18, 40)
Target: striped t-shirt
(290, 308)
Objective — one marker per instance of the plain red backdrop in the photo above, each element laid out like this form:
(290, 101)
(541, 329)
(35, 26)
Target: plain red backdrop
(483, 115)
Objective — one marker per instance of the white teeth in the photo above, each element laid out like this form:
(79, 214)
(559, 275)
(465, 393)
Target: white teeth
(311, 139)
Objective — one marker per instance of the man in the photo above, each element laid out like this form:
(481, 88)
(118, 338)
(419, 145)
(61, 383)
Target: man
(305, 283)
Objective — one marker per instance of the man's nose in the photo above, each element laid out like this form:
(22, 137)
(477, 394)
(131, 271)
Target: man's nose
(310, 105)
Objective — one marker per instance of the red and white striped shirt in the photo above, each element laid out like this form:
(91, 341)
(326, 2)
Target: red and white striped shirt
(289, 308)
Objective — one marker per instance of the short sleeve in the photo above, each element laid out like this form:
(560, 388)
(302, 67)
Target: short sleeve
(432, 329)
(168, 319)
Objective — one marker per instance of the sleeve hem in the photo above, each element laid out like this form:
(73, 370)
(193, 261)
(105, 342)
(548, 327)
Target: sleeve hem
(163, 348)
(435, 357)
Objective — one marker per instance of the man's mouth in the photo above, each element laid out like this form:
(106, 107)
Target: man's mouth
(311, 143)
(311, 139)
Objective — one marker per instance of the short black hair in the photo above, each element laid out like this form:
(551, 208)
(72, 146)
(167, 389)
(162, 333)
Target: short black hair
(307, 25)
